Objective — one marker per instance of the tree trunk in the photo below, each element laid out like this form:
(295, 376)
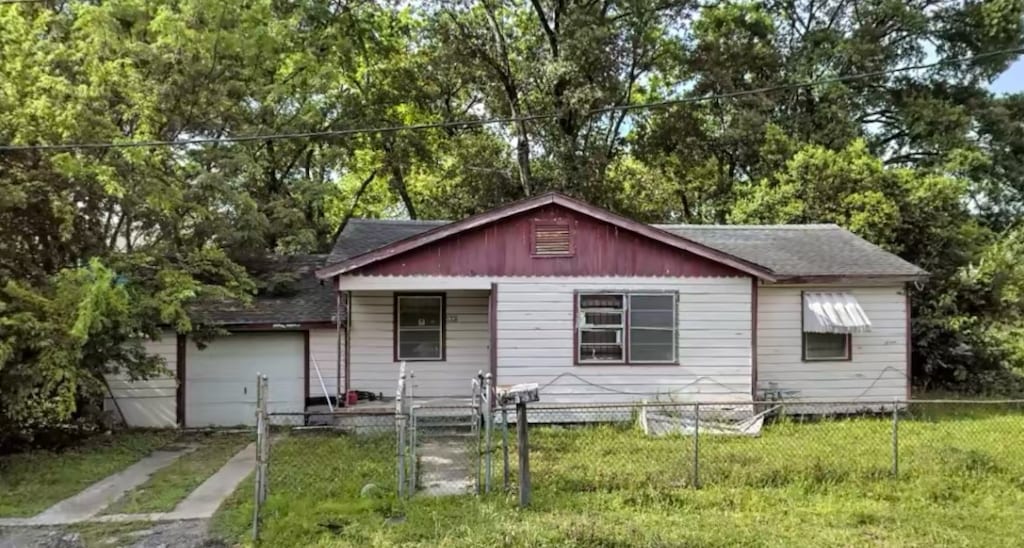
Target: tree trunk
(355, 203)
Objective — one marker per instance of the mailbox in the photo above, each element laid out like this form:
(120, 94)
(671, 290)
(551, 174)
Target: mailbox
(519, 393)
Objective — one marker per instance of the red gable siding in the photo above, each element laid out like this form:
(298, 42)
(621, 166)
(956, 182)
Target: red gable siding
(505, 248)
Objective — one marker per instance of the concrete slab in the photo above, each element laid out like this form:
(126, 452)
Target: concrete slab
(199, 504)
(16, 522)
(93, 499)
(446, 466)
(204, 501)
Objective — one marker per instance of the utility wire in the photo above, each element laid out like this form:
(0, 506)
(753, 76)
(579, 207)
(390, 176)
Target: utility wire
(812, 83)
(464, 124)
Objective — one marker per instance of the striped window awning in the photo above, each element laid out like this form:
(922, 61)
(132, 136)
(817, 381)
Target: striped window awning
(834, 312)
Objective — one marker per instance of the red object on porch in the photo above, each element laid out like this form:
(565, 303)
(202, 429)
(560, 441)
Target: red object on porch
(351, 398)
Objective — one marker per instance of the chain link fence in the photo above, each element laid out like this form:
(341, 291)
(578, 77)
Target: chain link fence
(381, 456)
(332, 461)
(378, 455)
(769, 444)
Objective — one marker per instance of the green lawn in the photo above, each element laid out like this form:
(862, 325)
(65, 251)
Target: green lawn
(32, 481)
(961, 483)
(170, 485)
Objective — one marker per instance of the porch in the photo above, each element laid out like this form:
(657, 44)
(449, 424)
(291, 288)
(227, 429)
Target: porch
(443, 332)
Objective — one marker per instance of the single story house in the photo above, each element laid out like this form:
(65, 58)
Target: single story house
(592, 306)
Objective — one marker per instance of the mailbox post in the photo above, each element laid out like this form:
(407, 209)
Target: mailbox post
(523, 433)
(521, 394)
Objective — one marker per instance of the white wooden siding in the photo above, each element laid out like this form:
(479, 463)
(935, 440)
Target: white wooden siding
(373, 366)
(150, 403)
(323, 352)
(535, 341)
(877, 370)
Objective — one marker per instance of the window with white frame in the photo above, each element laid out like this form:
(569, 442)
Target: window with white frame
(626, 328)
(826, 346)
(419, 327)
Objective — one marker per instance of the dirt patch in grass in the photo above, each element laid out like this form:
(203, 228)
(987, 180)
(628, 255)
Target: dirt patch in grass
(32, 481)
(170, 485)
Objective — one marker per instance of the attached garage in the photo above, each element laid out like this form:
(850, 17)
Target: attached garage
(292, 337)
(220, 379)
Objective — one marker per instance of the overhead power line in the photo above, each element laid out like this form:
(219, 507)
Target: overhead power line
(465, 124)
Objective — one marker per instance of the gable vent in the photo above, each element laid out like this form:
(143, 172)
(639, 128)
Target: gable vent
(552, 240)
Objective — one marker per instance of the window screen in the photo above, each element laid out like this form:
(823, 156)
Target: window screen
(826, 346)
(652, 328)
(420, 329)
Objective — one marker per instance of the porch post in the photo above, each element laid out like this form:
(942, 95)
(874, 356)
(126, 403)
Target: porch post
(348, 342)
(492, 319)
(338, 350)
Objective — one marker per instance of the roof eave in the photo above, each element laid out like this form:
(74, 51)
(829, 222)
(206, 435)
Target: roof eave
(845, 278)
(283, 325)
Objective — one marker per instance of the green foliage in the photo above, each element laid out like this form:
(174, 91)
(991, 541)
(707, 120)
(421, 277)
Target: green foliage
(847, 187)
(44, 341)
(58, 340)
(972, 332)
(925, 163)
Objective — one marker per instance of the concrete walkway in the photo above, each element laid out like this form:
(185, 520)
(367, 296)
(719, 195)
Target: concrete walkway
(446, 466)
(204, 501)
(101, 494)
(200, 504)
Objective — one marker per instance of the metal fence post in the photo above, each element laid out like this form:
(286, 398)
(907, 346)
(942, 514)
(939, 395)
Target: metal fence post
(696, 445)
(895, 438)
(487, 433)
(259, 489)
(400, 431)
(412, 451)
(401, 455)
(264, 447)
(478, 398)
(504, 445)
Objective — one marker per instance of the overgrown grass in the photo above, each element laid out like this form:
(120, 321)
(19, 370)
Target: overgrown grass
(824, 482)
(32, 481)
(316, 480)
(168, 486)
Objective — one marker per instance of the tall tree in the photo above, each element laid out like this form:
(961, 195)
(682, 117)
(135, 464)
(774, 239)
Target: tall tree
(925, 162)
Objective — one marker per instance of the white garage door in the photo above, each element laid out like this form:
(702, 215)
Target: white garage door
(220, 380)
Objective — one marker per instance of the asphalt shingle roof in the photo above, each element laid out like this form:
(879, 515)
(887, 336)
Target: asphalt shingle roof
(800, 250)
(786, 250)
(306, 301)
(363, 235)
